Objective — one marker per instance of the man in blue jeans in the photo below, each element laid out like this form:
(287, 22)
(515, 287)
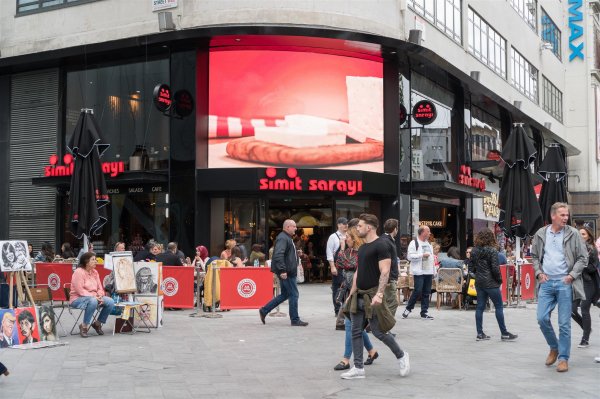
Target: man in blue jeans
(559, 256)
(284, 264)
(420, 255)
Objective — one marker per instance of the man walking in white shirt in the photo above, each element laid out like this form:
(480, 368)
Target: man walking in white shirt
(333, 246)
(420, 255)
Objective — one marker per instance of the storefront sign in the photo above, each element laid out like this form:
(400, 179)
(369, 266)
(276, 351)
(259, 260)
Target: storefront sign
(432, 223)
(162, 97)
(145, 189)
(184, 103)
(576, 28)
(490, 206)
(424, 112)
(158, 5)
(54, 170)
(293, 182)
(402, 114)
(465, 178)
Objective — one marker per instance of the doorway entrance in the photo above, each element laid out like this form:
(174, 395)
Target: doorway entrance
(442, 220)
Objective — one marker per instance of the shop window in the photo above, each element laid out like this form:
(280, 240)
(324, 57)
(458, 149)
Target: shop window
(354, 208)
(527, 9)
(486, 44)
(443, 14)
(551, 33)
(25, 7)
(524, 75)
(551, 99)
(485, 140)
(121, 97)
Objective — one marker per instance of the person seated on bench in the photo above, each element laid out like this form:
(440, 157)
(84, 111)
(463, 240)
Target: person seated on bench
(87, 293)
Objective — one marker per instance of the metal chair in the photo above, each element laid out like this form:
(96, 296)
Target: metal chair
(72, 310)
(450, 281)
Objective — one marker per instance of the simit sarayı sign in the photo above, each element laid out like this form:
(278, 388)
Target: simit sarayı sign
(576, 28)
(293, 182)
(466, 179)
(54, 170)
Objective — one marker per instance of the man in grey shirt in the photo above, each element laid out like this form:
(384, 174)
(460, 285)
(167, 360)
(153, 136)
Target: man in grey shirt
(559, 256)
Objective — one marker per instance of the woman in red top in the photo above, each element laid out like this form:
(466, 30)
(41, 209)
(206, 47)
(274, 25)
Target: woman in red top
(87, 293)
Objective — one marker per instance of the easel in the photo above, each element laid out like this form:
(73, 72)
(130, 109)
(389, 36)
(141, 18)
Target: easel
(21, 281)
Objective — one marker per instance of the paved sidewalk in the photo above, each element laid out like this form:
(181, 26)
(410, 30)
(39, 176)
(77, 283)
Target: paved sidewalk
(238, 357)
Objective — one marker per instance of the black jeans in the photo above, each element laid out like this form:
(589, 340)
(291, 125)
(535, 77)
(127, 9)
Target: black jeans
(585, 320)
(358, 325)
(336, 281)
(423, 290)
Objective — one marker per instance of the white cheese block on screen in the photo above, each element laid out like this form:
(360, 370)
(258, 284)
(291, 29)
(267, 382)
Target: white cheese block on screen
(365, 105)
(296, 138)
(320, 126)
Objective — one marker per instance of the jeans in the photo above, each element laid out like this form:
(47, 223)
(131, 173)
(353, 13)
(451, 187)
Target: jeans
(289, 291)
(348, 343)
(336, 281)
(584, 320)
(89, 304)
(358, 326)
(551, 293)
(496, 297)
(423, 290)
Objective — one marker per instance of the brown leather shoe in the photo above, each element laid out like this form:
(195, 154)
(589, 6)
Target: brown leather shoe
(83, 331)
(552, 356)
(98, 327)
(563, 366)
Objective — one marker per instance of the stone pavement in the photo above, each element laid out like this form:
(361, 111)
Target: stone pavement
(238, 357)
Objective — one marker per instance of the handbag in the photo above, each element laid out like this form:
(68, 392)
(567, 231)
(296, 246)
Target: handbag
(472, 291)
(300, 276)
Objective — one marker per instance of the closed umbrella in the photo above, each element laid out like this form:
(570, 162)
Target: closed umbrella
(553, 171)
(88, 195)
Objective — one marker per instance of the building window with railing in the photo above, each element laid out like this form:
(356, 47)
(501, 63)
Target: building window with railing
(551, 33)
(486, 44)
(551, 99)
(443, 14)
(527, 9)
(25, 7)
(524, 75)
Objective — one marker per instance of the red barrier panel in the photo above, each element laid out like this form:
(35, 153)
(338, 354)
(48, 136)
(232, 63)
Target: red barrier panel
(178, 286)
(56, 275)
(246, 287)
(503, 287)
(527, 282)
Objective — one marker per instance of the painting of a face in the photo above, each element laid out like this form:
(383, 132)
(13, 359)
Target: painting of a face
(7, 326)
(26, 328)
(14, 256)
(124, 274)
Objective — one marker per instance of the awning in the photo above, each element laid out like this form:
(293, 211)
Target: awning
(443, 188)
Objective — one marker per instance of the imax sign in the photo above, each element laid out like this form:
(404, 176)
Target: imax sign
(576, 28)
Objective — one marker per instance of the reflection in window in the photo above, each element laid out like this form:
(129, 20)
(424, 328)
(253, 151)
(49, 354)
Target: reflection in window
(551, 33)
(527, 9)
(486, 44)
(444, 14)
(524, 75)
(353, 208)
(551, 99)
(121, 97)
(485, 140)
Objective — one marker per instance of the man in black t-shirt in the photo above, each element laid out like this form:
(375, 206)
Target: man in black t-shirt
(372, 274)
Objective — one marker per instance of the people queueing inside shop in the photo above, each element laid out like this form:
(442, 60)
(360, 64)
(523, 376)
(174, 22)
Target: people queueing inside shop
(87, 293)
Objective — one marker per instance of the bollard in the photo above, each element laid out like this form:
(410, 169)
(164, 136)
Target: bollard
(277, 313)
(213, 314)
(199, 312)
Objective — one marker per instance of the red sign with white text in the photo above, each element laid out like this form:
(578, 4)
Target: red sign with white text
(293, 182)
(246, 287)
(178, 286)
(466, 179)
(53, 170)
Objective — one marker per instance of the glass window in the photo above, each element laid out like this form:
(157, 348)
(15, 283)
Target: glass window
(485, 140)
(486, 44)
(527, 9)
(551, 33)
(524, 75)
(121, 97)
(444, 14)
(551, 99)
(32, 6)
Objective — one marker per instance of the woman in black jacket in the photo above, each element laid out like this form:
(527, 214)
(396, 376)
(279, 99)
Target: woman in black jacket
(590, 285)
(484, 265)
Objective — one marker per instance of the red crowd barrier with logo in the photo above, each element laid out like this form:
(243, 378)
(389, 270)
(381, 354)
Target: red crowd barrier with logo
(55, 275)
(504, 286)
(527, 281)
(246, 287)
(178, 286)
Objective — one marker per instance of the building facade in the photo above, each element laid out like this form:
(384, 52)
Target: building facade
(303, 109)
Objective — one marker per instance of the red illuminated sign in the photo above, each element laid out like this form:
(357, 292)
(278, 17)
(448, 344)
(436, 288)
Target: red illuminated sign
(465, 178)
(184, 103)
(424, 112)
(293, 182)
(162, 97)
(54, 170)
(402, 114)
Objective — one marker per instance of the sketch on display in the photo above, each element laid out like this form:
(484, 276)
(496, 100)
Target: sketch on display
(27, 325)
(8, 331)
(147, 277)
(149, 313)
(15, 256)
(124, 274)
(47, 323)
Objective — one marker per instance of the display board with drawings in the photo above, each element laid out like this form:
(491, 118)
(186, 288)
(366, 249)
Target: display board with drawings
(29, 325)
(147, 277)
(15, 256)
(153, 314)
(124, 273)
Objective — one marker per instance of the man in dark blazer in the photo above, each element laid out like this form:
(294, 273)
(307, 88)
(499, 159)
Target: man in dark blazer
(284, 264)
(169, 257)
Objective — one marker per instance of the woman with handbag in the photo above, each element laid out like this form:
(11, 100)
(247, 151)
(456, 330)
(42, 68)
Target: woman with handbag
(347, 261)
(484, 263)
(590, 286)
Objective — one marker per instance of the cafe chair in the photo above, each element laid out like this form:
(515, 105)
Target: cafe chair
(450, 281)
(74, 311)
(42, 295)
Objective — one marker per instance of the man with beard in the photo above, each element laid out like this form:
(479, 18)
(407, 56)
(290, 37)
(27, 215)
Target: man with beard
(27, 325)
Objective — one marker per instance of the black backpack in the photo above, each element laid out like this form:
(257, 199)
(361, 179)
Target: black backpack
(337, 252)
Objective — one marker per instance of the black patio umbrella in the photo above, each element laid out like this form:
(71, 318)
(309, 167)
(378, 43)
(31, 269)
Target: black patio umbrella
(88, 196)
(553, 171)
(520, 214)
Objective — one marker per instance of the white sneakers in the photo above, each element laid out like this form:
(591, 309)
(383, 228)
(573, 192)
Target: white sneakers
(353, 373)
(404, 364)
